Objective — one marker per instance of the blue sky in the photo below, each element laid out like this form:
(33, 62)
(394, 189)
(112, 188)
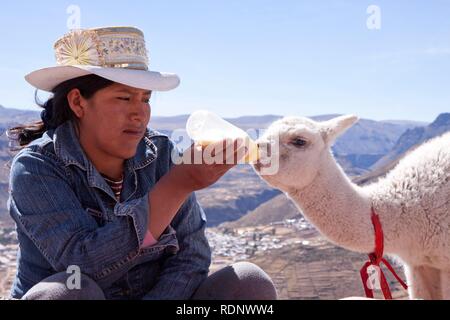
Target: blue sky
(259, 57)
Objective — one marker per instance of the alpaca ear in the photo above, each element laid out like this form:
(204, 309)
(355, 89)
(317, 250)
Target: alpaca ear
(333, 128)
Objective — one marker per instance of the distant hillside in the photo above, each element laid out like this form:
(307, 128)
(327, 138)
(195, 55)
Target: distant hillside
(16, 116)
(9, 118)
(277, 209)
(234, 195)
(414, 137)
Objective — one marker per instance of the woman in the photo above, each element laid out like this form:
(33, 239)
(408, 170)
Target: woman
(93, 191)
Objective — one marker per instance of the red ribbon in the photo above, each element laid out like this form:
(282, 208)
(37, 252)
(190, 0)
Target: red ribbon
(375, 259)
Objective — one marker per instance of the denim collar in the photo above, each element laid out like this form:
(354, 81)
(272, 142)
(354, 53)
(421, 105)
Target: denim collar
(69, 150)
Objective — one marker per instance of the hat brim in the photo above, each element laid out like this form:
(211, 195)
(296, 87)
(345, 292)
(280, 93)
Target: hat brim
(48, 78)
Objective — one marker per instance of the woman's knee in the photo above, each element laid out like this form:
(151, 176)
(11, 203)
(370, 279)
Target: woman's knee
(59, 287)
(239, 281)
(254, 282)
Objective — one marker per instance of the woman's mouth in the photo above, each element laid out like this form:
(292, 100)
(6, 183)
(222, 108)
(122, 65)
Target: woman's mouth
(134, 133)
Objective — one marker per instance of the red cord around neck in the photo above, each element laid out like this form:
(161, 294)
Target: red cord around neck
(375, 259)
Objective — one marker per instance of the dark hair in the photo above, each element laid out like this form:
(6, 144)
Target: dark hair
(56, 110)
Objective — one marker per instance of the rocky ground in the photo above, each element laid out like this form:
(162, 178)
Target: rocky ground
(239, 191)
(302, 264)
(8, 251)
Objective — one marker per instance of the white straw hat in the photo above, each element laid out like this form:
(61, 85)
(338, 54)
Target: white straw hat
(118, 54)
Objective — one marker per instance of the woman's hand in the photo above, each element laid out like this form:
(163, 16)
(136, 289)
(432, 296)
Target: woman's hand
(170, 192)
(208, 163)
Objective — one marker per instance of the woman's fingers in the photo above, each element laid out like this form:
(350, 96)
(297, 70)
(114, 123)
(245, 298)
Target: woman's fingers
(227, 151)
(240, 151)
(233, 151)
(194, 154)
(220, 148)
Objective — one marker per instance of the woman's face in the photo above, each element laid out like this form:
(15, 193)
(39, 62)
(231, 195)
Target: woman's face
(115, 119)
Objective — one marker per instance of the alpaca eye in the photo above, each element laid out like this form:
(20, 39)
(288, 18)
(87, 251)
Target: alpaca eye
(299, 142)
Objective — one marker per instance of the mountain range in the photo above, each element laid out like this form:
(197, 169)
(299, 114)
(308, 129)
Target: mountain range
(414, 137)
(241, 191)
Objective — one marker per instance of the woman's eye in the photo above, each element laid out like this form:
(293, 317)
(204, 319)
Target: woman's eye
(299, 142)
(124, 98)
(147, 101)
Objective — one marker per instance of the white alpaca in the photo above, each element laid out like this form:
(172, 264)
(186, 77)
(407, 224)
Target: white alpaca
(412, 201)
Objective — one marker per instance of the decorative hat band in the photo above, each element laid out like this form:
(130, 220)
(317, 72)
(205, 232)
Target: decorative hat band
(116, 47)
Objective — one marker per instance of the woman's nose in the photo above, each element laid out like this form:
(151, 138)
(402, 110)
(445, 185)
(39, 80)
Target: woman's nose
(139, 110)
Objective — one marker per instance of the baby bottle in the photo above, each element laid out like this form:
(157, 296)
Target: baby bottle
(205, 127)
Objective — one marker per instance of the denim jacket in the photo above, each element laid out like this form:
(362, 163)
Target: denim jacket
(67, 215)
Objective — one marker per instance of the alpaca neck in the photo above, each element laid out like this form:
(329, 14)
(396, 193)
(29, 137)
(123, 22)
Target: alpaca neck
(338, 208)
